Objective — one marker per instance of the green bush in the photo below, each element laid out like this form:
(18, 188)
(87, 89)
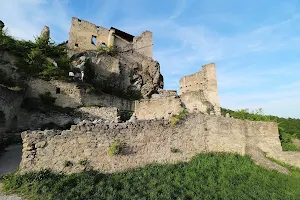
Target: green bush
(47, 99)
(206, 176)
(116, 148)
(32, 57)
(177, 118)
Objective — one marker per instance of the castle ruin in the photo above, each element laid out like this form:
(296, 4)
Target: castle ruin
(198, 93)
(148, 136)
(87, 36)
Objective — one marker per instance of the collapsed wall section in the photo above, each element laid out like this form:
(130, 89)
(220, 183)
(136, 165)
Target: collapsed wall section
(144, 142)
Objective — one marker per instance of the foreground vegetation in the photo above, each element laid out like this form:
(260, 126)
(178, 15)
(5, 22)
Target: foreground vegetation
(206, 176)
(36, 58)
(289, 129)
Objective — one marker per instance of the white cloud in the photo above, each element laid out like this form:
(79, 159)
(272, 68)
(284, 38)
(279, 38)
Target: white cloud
(26, 18)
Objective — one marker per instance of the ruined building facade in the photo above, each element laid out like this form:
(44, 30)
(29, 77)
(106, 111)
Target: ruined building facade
(87, 36)
(198, 93)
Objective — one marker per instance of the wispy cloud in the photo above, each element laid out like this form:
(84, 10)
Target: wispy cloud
(30, 16)
(256, 53)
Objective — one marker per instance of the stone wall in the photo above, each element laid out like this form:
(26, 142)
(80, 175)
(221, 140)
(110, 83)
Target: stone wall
(106, 113)
(33, 120)
(106, 100)
(145, 142)
(81, 33)
(10, 102)
(163, 107)
(69, 96)
(144, 44)
(205, 83)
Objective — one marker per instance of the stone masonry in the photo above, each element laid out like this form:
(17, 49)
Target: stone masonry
(87, 36)
(198, 93)
(147, 141)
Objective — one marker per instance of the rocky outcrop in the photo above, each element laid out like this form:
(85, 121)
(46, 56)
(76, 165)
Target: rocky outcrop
(45, 34)
(129, 72)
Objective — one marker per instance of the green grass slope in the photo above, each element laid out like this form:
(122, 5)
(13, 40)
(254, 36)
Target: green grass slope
(206, 176)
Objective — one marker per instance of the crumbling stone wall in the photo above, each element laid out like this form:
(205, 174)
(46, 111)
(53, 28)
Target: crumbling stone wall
(163, 107)
(200, 91)
(69, 96)
(143, 44)
(83, 33)
(106, 113)
(33, 120)
(106, 100)
(10, 102)
(145, 142)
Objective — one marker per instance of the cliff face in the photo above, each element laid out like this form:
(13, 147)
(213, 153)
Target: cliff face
(129, 72)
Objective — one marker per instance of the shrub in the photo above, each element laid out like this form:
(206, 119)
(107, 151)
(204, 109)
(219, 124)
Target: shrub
(116, 148)
(47, 99)
(176, 119)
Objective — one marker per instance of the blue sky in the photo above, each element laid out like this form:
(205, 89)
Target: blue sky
(255, 44)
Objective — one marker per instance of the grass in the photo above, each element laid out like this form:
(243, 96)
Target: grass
(206, 176)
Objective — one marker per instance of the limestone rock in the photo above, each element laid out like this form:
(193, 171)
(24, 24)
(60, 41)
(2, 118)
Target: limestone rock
(131, 73)
(45, 34)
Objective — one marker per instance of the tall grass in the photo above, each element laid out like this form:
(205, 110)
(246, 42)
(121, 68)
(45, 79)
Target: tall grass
(206, 176)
